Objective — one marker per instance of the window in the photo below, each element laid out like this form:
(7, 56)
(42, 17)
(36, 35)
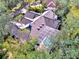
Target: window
(42, 24)
(38, 29)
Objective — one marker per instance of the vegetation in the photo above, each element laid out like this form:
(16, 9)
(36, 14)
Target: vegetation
(38, 8)
(66, 44)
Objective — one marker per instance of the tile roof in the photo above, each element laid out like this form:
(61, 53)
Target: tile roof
(31, 14)
(21, 34)
(48, 42)
(48, 18)
(20, 25)
(25, 20)
(47, 31)
(14, 31)
(53, 23)
(49, 14)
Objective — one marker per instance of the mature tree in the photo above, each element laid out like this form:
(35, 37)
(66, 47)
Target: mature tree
(39, 55)
(4, 19)
(11, 3)
(2, 7)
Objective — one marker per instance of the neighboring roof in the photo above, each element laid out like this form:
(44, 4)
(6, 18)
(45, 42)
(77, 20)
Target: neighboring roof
(26, 5)
(22, 10)
(51, 4)
(50, 8)
(36, 3)
(47, 1)
(15, 13)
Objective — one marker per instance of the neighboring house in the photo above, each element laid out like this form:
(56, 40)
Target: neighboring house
(51, 4)
(47, 2)
(13, 14)
(22, 10)
(36, 3)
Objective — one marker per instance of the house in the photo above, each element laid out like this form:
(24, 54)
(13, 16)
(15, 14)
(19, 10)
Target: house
(47, 2)
(50, 4)
(22, 10)
(38, 25)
